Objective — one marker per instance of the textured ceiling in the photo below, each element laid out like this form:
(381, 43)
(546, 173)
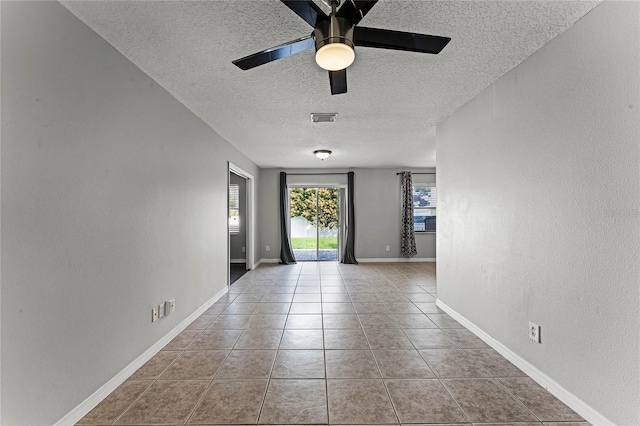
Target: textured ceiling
(394, 99)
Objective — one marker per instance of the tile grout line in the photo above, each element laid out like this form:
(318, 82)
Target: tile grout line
(438, 377)
(201, 398)
(324, 357)
(154, 381)
(453, 399)
(273, 363)
(266, 390)
(512, 395)
(213, 378)
(145, 391)
(384, 384)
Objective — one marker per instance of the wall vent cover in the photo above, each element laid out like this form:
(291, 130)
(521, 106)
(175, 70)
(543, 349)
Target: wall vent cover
(325, 117)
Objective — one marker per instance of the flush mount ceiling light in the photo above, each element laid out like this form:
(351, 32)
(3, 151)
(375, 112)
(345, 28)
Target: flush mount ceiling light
(322, 153)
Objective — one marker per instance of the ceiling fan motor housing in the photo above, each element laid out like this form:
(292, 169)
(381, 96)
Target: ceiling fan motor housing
(333, 30)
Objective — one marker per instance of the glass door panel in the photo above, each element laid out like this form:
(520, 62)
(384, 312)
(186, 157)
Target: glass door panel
(304, 217)
(327, 226)
(315, 224)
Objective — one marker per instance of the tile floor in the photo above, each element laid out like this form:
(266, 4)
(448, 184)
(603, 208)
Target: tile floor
(325, 343)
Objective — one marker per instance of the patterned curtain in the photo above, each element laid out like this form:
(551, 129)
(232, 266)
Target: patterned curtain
(408, 236)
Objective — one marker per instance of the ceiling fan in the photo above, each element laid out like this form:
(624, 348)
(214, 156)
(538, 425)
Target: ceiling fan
(335, 37)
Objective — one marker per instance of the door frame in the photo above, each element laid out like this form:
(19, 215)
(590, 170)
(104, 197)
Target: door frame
(249, 220)
(341, 227)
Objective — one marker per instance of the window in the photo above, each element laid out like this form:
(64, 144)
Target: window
(234, 208)
(424, 208)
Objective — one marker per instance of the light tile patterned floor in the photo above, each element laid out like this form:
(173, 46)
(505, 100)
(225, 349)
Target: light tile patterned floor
(325, 343)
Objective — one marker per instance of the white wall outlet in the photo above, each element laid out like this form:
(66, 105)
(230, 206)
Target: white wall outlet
(154, 314)
(534, 332)
(244, 249)
(161, 310)
(170, 306)
(387, 248)
(268, 248)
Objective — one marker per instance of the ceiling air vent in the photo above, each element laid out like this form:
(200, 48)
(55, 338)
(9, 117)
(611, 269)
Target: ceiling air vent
(330, 117)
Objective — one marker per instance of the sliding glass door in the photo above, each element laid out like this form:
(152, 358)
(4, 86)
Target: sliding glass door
(315, 223)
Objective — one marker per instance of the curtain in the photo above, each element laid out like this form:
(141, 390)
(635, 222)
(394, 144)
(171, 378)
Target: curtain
(349, 249)
(408, 235)
(342, 211)
(286, 254)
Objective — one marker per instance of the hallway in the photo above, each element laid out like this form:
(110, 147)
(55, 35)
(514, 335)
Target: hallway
(326, 343)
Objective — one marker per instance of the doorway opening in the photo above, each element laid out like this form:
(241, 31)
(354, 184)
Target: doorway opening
(315, 223)
(240, 249)
(237, 227)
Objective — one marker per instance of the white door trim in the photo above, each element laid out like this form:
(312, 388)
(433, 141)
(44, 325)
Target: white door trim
(251, 216)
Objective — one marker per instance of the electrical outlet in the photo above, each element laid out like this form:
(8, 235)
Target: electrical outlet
(268, 248)
(244, 249)
(154, 314)
(161, 310)
(170, 306)
(534, 332)
(387, 248)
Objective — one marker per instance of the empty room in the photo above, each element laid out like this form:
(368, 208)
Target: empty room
(294, 212)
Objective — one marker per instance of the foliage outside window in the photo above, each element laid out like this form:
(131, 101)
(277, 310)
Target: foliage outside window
(303, 203)
(424, 208)
(234, 208)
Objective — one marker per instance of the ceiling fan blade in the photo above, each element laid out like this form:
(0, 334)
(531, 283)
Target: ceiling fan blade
(338, 80)
(355, 10)
(307, 10)
(399, 40)
(275, 53)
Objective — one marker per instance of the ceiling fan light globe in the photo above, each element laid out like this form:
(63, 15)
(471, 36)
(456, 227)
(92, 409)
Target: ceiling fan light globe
(335, 56)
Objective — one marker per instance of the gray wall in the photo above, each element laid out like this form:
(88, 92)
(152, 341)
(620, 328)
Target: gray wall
(239, 240)
(378, 205)
(113, 200)
(538, 196)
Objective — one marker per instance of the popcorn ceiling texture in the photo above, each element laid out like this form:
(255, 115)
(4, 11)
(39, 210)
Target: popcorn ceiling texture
(394, 99)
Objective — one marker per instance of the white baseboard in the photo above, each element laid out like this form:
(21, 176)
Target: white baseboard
(572, 401)
(371, 260)
(88, 404)
(238, 261)
(396, 259)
